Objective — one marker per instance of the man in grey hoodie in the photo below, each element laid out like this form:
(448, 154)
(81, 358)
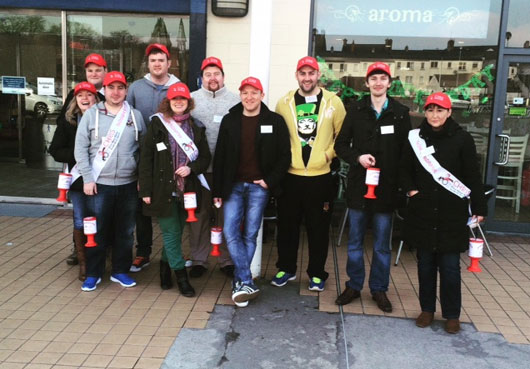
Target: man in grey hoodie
(107, 145)
(145, 95)
(212, 102)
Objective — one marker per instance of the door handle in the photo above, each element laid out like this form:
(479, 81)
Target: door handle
(504, 150)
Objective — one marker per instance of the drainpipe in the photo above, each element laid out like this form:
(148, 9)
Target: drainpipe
(259, 65)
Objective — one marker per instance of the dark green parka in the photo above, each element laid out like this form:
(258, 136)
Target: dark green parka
(156, 168)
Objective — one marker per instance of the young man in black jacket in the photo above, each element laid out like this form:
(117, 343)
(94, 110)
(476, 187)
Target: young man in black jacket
(372, 136)
(252, 155)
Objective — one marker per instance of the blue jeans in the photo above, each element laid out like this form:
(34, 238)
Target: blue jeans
(248, 200)
(115, 209)
(380, 269)
(78, 199)
(448, 265)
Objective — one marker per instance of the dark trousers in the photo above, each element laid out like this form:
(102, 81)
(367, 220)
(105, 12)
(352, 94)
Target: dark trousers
(114, 208)
(144, 232)
(304, 198)
(448, 265)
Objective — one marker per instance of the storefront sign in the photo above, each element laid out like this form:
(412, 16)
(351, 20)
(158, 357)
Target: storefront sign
(517, 111)
(45, 86)
(13, 85)
(408, 18)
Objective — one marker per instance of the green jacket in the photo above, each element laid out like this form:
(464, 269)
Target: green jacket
(156, 168)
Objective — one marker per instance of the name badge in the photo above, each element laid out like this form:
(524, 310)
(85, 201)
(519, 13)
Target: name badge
(387, 130)
(217, 118)
(266, 129)
(310, 99)
(428, 151)
(161, 146)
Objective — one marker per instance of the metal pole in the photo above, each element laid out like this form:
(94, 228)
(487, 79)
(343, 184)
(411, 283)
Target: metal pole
(19, 103)
(260, 54)
(64, 71)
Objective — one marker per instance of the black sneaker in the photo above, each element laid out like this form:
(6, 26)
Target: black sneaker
(139, 263)
(197, 271)
(228, 270)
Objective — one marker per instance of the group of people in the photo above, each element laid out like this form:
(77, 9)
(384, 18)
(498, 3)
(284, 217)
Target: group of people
(135, 152)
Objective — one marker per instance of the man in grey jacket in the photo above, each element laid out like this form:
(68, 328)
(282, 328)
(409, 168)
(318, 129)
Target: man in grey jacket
(212, 102)
(107, 152)
(145, 95)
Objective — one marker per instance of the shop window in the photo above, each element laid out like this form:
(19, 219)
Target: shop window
(365, 31)
(518, 34)
(122, 40)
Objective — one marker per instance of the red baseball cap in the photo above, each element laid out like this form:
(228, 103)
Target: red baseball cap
(178, 89)
(251, 81)
(438, 98)
(114, 76)
(160, 47)
(309, 61)
(96, 59)
(212, 60)
(378, 67)
(85, 86)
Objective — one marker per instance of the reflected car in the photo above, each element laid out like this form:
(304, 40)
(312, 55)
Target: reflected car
(41, 104)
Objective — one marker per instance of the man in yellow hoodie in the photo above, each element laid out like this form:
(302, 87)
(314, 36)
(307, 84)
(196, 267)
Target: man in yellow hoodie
(314, 117)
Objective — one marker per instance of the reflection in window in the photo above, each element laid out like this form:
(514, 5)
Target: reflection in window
(422, 56)
(122, 40)
(518, 34)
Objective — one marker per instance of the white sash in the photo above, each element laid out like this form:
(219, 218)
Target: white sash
(431, 165)
(111, 140)
(185, 142)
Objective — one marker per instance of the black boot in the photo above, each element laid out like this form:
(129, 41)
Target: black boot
(184, 285)
(165, 275)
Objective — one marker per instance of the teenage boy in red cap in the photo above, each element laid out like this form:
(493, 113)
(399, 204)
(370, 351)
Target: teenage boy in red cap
(373, 134)
(107, 151)
(212, 102)
(314, 117)
(146, 94)
(95, 70)
(251, 157)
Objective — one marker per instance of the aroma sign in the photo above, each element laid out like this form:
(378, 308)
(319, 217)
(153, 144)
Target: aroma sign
(409, 18)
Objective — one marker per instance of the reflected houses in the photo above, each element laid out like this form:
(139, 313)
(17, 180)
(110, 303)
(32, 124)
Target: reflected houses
(426, 70)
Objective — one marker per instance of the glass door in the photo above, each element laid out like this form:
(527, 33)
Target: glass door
(510, 150)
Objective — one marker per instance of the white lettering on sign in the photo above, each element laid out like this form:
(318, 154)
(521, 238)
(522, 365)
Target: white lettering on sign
(397, 15)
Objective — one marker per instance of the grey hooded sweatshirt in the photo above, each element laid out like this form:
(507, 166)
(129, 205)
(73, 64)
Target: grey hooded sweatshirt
(121, 167)
(144, 95)
(210, 107)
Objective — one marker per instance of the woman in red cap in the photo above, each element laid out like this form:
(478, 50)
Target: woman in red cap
(62, 150)
(440, 174)
(174, 155)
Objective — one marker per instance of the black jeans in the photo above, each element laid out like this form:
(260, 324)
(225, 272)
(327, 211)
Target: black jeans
(114, 208)
(304, 198)
(144, 232)
(448, 264)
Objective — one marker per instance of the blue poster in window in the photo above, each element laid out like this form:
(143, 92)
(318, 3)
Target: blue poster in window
(13, 85)
(406, 18)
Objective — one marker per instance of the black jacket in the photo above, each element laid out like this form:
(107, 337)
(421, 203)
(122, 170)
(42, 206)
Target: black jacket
(361, 134)
(156, 176)
(273, 150)
(436, 219)
(62, 147)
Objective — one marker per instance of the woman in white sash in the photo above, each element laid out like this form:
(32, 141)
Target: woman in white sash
(440, 173)
(62, 150)
(174, 155)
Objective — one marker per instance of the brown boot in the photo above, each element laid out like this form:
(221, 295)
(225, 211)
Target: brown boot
(80, 240)
(452, 326)
(424, 319)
